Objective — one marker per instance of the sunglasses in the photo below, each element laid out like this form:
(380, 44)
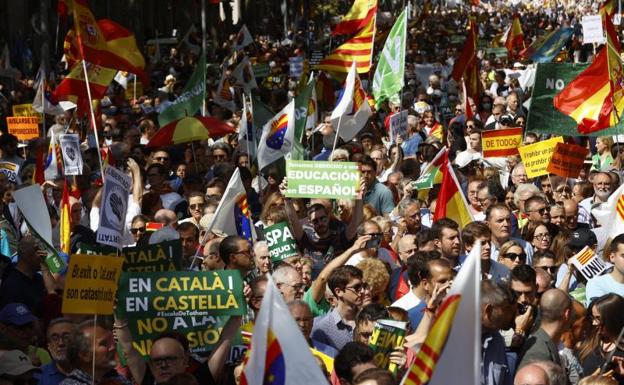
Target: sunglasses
(196, 206)
(162, 158)
(542, 211)
(514, 256)
(137, 230)
(551, 269)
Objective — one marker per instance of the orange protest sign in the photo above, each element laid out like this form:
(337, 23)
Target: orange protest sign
(498, 143)
(23, 127)
(567, 160)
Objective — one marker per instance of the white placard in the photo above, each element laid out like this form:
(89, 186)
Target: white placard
(114, 207)
(72, 157)
(588, 263)
(398, 126)
(592, 29)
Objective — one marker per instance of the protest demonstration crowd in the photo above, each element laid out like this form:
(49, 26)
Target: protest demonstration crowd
(345, 192)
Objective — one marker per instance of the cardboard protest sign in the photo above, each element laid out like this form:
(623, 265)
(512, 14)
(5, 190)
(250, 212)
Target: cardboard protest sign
(536, 156)
(32, 205)
(588, 263)
(282, 243)
(387, 336)
(164, 256)
(25, 110)
(315, 179)
(186, 302)
(72, 156)
(23, 127)
(567, 160)
(11, 171)
(91, 284)
(498, 143)
(398, 126)
(114, 206)
(592, 29)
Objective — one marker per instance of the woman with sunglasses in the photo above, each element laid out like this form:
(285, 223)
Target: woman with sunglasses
(511, 254)
(138, 227)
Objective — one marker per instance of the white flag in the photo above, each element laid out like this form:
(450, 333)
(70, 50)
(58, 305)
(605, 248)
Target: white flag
(225, 93)
(244, 75)
(611, 213)
(352, 111)
(243, 38)
(278, 135)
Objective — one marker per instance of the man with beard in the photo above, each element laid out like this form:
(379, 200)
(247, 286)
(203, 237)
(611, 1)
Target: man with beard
(445, 234)
(602, 190)
(60, 332)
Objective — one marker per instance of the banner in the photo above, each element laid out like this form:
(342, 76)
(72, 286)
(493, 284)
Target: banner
(24, 127)
(26, 110)
(314, 179)
(588, 263)
(498, 143)
(186, 302)
(72, 156)
(536, 157)
(91, 284)
(11, 171)
(567, 160)
(114, 206)
(398, 126)
(163, 256)
(282, 243)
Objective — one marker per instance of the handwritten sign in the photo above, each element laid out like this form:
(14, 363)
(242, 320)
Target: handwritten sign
(567, 160)
(536, 156)
(23, 127)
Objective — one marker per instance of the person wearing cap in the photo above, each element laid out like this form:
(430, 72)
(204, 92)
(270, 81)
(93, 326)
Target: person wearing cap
(16, 368)
(17, 327)
(614, 281)
(579, 238)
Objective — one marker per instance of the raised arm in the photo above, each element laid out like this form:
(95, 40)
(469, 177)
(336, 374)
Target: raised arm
(293, 219)
(216, 361)
(136, 364)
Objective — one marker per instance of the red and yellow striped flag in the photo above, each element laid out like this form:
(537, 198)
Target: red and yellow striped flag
(360, 14)
(515, 36)
(422, 369)
(466, 65)
(358, 49)
(451, 201)
(65, 225)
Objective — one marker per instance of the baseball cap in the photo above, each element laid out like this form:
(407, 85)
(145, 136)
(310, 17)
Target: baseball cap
(16, 314)
(581, 238)
(15, 363)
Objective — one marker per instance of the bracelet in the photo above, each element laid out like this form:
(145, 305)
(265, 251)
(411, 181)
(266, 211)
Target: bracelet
(520, 332)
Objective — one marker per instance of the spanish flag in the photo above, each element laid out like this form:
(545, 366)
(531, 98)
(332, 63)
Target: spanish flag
(358, 49)
(360, 14)
(467, 65)
(451, 201)
(594, 98)
(73, 87)
(105, 42)
(65, 224)
(514, 38)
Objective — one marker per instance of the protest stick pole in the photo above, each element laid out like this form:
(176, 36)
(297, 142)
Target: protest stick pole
(95, 131)
(335, 138)
(93, 349)
(43, 122)
(134, 91)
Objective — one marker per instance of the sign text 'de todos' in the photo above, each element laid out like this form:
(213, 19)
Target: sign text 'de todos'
(498, 143)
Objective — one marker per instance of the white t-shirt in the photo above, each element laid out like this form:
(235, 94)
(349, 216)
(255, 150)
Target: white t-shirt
(408, 301)
(601, 285)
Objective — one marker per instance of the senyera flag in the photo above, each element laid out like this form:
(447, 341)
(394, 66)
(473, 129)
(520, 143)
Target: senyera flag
(360, 14)
(358, 49)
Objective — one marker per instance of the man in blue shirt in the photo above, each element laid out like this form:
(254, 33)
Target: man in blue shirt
(375, 193)
(60, 331)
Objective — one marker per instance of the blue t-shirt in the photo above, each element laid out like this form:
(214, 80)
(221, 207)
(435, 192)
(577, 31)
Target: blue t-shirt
(601, 285)
(415, 314)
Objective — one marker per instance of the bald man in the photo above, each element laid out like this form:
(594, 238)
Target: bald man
(557, 317)
(531, 375)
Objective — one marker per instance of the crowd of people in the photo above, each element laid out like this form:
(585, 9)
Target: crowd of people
(381, 256)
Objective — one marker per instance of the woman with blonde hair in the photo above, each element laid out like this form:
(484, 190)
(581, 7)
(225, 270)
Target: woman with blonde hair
(511, 254)
(602, 160)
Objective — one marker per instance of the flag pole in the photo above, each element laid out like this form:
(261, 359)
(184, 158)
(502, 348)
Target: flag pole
(336, 137)
(43, 122)
(95, 131)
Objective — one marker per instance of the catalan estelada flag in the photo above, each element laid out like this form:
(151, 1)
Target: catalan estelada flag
(277, 354)
(514, 38)
(358, 49)
(451, 201)
(65, 225)
(360, 14)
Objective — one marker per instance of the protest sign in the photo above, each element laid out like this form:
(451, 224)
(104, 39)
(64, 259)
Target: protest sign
(536, 156)
(72, 156)
(91, 284)
(114, 206)
(281, 242)
(567, 160)
(592, 29)
(588, 263)
(163, 256)
(398, 126)
(11, 171)
(314, 179)
(25, 110)
(33, 207)
(295, 64)
(23, 127)
(261, 70)
(387, 336)
(186, 302)
(498, 143)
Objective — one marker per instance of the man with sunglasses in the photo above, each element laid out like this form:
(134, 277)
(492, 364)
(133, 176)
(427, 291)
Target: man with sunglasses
(237, 254)
(537, 210)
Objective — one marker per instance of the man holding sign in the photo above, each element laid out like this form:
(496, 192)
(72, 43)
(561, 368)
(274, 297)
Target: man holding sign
(614, 281)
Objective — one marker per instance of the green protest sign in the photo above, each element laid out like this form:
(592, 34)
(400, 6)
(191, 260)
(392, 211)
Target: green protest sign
(187, 302)
(282, 243)
(315, 179)
(261, 70)
(164, 256)
(544, 118)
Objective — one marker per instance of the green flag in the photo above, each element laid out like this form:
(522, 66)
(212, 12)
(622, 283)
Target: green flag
(302, 102)
(544, 118)
(388, 79)
(191, 99)
(261, 113)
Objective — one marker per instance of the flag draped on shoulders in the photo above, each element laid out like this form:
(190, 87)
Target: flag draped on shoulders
(388, 79)
(278, 135)
(352, 111)
(611, 214)
(360, 13)
(277, 352)
(451, 202)
(358, 49)
(594, 98)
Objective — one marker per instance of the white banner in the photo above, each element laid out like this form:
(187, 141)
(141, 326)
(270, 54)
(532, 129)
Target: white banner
(114, 207)
(72, 157)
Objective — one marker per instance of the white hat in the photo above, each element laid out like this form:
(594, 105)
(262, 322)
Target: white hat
(15, 363)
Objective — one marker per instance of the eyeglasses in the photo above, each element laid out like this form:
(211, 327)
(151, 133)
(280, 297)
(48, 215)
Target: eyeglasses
(514, 256)
(551, 269)
(137, 230)
(56, 338)
(164, 361)
(196, 206)
(542, 211)
(542, 236)
(360, 287)
(162, 158)
(246, 253)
